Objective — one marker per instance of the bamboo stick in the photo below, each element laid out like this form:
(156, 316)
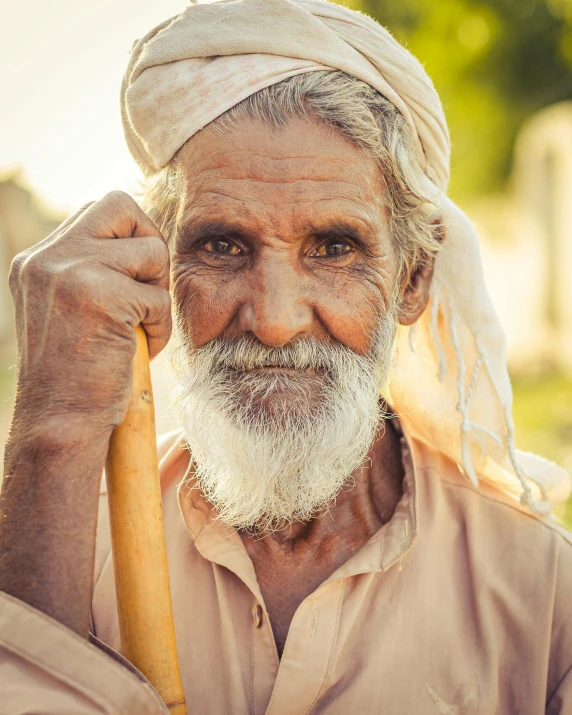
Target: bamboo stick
(138, 541)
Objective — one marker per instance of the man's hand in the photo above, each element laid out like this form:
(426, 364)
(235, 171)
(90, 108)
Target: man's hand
(78, 296)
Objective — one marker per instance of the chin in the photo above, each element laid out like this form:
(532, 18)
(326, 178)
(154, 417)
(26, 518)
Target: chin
(279, 396)
(280, 409)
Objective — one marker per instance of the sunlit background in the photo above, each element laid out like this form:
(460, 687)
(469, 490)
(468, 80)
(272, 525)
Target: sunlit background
(503, 70)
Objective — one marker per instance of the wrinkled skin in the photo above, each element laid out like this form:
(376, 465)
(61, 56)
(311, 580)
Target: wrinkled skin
(282, 235)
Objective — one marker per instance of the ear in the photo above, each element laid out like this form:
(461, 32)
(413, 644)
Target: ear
(416, 292)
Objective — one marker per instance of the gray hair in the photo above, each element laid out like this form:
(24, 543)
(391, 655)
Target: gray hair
(362, 115)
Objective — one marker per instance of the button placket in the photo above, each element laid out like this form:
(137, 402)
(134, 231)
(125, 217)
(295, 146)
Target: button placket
(264, 660)
(308, 652)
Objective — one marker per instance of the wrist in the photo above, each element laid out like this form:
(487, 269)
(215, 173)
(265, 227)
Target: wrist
(40, 438)
(95, 401)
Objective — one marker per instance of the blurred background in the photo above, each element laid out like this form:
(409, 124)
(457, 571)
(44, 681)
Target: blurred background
(503, 69)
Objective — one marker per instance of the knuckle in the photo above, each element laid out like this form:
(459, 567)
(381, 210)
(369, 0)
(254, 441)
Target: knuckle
(33, 269)
(158, 307)
(118, 203)
(113, 205)
(160, 251)
(35, 273)
(163, 301)
(16, 266)
(117, 198)
(85, 206)
(166, 299)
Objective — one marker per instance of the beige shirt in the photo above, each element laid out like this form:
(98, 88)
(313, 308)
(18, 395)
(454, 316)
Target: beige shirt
(460, 605)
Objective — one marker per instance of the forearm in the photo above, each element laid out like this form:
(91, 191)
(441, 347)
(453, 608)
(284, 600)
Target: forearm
(48, 509)
(77, 296)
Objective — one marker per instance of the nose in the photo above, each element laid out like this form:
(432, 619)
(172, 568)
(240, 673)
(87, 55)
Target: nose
(276, 310)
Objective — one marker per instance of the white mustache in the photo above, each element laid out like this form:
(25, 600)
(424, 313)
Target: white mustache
(305, 354)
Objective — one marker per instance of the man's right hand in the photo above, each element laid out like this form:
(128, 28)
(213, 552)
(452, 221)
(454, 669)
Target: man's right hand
(78, 296)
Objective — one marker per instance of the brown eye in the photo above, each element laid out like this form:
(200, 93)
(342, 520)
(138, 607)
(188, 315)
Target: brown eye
(333, 248)
(222, 247)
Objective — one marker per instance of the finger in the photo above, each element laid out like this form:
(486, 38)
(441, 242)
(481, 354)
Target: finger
(73, 218)
(117, 215)
(70, 220)
(144, 259)
(154, 305)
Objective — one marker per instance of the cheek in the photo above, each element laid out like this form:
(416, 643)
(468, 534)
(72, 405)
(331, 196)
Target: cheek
(206, 301)
(346, 304)
(349, 307)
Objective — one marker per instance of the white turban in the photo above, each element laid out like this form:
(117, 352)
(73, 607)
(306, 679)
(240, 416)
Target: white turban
(450, 385)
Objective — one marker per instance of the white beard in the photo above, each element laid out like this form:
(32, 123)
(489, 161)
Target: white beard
(272, 448)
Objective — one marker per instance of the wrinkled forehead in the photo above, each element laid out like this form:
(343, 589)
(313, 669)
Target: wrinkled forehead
(305, 170)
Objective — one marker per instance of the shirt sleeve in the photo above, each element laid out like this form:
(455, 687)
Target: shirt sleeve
(560, 702)
(559, 693)
(47, 669)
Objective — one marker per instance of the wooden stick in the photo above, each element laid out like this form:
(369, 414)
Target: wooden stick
(138, 541)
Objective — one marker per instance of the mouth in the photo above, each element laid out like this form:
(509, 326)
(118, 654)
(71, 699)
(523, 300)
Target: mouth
(280, 369)
(284, 369)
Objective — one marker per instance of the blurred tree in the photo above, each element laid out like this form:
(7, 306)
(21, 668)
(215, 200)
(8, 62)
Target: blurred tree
(493, 62)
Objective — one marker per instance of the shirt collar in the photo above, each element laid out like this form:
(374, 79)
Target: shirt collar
(223, 545)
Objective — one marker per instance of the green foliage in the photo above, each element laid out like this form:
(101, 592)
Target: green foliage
(493, 62)
(543, 419)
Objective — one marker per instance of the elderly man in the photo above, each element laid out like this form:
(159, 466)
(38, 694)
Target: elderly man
(331, 551)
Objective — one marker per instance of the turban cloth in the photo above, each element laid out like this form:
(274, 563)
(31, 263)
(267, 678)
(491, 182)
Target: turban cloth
(449, 383)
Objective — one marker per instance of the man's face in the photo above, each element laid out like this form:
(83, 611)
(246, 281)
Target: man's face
(284, 235)
(284, 279)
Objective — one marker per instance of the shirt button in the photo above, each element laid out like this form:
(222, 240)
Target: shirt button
(257, 615)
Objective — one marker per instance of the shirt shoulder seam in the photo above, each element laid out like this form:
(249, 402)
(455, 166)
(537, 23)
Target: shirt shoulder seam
(567, 538)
